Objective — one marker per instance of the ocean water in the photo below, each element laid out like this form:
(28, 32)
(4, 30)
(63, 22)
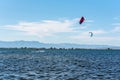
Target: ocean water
(31, 64)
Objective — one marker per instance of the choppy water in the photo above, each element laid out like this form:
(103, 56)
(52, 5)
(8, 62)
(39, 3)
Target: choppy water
(16, 64)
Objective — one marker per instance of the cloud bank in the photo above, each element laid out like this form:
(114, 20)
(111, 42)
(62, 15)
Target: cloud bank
(44, 28)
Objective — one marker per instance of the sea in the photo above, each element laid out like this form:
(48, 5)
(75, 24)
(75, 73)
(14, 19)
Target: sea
(59, 64)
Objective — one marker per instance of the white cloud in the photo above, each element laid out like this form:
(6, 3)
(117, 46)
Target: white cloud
(116, 27)
(99, 37)
(102, 40)
(98, 31)
(89, 21)
(85, 34)
(117, 18)
(43, 28)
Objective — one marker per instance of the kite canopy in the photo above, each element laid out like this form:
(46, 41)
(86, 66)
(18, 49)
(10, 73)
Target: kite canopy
(91, 34)
(81, 20)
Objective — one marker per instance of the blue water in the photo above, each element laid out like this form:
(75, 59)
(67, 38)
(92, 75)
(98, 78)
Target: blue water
(31, 64)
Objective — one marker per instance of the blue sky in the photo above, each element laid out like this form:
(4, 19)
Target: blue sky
(56, 21)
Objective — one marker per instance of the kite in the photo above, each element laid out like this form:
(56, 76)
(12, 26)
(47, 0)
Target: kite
(81, 20)
(91, 34)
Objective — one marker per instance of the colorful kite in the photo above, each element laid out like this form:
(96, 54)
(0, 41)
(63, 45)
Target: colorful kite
(81, 20)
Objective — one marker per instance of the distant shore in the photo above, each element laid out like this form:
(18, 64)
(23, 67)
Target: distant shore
(53, 48)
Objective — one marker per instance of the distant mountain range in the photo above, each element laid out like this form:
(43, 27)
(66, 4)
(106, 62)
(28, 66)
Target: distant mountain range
(36, 44)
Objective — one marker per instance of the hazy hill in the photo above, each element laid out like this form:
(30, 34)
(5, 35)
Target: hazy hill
(36, 44)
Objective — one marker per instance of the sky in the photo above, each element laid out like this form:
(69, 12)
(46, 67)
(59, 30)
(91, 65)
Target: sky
(57, 21)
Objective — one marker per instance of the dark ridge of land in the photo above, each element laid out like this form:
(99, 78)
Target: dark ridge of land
(53, 48)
